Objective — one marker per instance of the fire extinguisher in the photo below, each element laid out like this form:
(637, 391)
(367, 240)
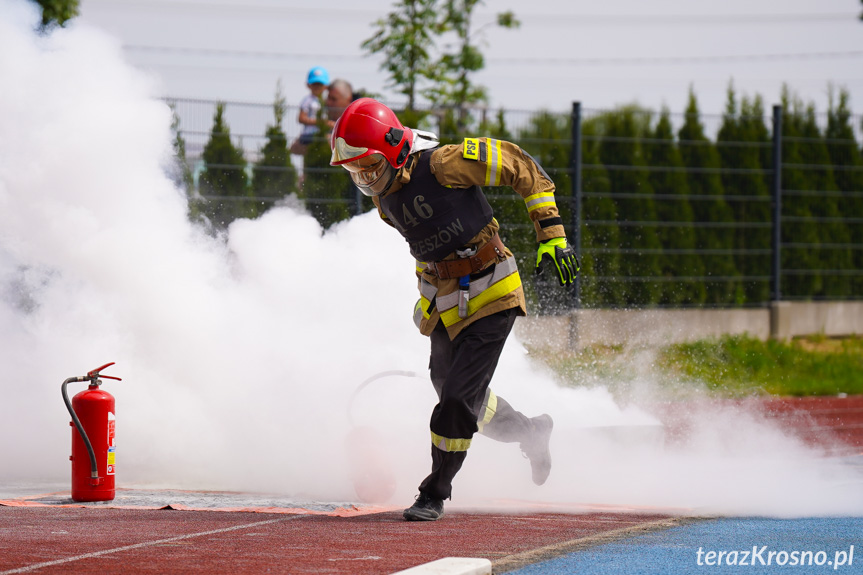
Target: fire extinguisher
(93, 444)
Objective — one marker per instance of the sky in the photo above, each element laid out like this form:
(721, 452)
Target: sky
(242, 354)
(602, 54)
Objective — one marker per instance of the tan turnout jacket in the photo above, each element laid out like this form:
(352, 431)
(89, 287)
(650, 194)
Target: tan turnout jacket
(482, 162)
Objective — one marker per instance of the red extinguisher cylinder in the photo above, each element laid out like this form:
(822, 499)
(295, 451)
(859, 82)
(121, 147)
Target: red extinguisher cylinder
(95, 410)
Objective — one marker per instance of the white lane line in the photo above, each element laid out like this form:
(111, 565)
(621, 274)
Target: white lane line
(451, 566)
(36, 566)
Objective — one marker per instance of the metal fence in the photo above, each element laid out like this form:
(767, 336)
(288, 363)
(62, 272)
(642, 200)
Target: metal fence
(666, 210)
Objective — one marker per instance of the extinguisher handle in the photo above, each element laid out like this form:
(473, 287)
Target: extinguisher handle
(93, 374)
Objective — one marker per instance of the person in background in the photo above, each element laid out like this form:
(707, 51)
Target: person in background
(310, 106)
(340, 93)
(470, 289)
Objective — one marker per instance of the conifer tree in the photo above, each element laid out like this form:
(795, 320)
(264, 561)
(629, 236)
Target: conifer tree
(224, 183)
(182, 174)
(274, 175)
(834, 253)
(677, 238)
(600, 258)
(740, 142)
(497, 127)
(800, 239)
(843, 151)
(713, 217)
(328, 190)
(620, 151)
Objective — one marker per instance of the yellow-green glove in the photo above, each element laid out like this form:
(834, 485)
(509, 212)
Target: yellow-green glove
(561, 254)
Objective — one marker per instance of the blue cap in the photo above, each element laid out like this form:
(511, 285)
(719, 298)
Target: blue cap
(318, 75)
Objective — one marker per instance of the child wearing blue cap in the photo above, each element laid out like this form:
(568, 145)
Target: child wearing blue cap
(317, 83)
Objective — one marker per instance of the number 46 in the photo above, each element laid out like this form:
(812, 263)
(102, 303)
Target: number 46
(422, 209)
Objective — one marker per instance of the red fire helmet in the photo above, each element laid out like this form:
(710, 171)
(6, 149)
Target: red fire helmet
(368, 127)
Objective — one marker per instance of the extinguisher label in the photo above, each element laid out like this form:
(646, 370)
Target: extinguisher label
(111, 446)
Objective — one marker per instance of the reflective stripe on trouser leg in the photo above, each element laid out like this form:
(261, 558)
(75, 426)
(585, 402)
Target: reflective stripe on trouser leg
(461, 371)
(487, 411)
(507, 425)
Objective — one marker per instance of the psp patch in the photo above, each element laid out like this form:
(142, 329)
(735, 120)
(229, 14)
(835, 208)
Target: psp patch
(474, 150)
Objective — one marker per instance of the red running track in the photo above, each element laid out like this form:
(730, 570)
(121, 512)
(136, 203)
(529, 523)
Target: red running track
(106, 541)
(57, 539)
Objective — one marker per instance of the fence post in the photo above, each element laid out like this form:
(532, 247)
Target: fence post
(575, 208)
(776, 192)
(575, 184)
(780, 311)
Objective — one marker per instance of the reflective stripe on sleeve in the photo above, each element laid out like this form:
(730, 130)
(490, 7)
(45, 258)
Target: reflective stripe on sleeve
(494, 165)
(540, 200)
(448, 443)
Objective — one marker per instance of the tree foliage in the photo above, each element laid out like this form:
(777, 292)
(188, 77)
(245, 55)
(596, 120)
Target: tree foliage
(224, 184)
(716, 236)
(328, 190)
(452, 85)
(600, 258)
(405, 37)
(677, 238)
(832, 252)
(274, 175)
(741, 140)
(543, 140)
(621, 152)
(843, 151)
(799, 230)
(180, 172)
(419, 61)
(58, 12)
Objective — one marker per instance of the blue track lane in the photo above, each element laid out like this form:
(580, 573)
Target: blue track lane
(748, 545)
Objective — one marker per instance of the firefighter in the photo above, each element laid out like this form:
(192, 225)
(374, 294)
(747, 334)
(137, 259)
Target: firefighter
(470, 289)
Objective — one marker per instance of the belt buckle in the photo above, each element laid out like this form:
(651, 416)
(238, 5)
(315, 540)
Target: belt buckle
(468, 252)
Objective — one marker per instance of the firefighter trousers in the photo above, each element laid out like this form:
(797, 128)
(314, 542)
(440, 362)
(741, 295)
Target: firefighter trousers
(461, 370)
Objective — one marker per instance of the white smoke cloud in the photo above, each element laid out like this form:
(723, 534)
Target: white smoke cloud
(239, 355)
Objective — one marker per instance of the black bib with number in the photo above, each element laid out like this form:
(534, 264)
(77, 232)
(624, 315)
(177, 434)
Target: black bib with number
(434, 219)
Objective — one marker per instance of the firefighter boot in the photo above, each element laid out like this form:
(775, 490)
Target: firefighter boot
(536, 448)
(425, 508)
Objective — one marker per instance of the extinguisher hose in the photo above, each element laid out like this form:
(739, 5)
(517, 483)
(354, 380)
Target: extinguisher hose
(94, 468)
(371, 379)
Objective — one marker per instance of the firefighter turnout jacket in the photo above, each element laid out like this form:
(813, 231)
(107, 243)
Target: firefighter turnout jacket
(437, 205)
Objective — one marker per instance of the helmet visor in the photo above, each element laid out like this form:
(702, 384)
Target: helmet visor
(372, 174)
(344, 152)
